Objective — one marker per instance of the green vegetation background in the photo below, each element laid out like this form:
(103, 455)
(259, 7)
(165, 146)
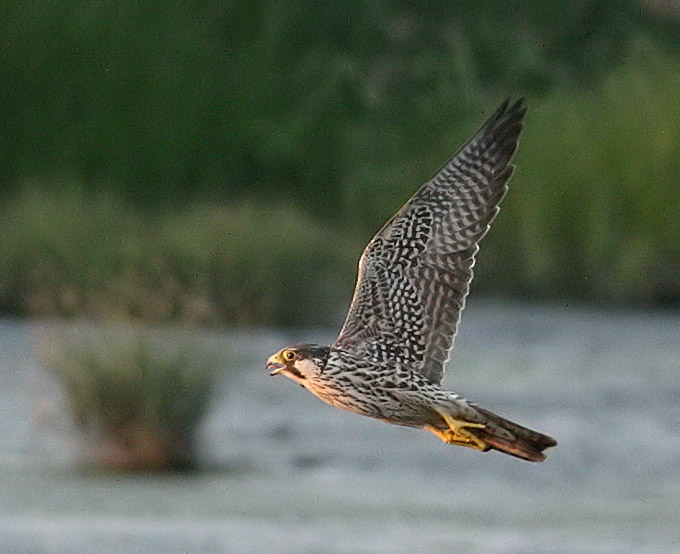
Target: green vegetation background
(218, 161)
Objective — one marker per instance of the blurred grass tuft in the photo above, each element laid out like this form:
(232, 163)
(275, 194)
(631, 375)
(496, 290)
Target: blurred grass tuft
(137, 396)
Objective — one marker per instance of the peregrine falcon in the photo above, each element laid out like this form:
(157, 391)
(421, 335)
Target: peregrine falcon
(389, 359)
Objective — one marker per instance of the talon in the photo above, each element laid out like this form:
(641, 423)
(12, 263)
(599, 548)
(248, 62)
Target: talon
(458, 434)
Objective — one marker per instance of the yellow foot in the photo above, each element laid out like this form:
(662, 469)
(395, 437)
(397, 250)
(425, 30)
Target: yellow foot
(457, 432)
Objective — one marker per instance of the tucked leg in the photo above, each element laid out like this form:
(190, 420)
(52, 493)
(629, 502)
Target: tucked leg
(457, 432)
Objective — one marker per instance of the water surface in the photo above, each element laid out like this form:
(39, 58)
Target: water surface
(289, 474)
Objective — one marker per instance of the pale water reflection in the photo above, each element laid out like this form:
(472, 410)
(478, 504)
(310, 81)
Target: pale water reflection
(290, 474)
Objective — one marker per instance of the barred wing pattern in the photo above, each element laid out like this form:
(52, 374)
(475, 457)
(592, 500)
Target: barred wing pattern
(415, 273)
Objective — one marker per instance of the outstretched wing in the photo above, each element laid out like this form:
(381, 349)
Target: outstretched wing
(415, 273)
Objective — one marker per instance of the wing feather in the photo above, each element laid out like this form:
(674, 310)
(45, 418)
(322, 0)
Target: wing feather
(415, 274)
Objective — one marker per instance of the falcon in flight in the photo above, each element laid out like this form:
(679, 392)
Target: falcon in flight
(389, 359)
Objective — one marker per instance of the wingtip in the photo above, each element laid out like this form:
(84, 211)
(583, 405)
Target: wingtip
(506, 115)
(518, 107)
(508, 105)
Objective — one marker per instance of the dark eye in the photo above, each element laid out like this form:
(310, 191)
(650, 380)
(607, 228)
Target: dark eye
(288, 355)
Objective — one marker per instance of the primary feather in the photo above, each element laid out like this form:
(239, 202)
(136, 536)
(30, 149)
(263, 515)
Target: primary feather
(415, 273)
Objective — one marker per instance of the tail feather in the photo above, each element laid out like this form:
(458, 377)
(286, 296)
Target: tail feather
(523, 443)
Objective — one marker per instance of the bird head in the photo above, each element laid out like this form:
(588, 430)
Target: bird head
(300, 363)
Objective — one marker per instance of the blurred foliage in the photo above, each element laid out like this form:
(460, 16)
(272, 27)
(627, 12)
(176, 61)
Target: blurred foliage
(608, 227)
(77, 254)
(138, 396)
(207, 99)
(162, 112)
(593, 208)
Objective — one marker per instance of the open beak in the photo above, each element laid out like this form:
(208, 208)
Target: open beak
(275, 366)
